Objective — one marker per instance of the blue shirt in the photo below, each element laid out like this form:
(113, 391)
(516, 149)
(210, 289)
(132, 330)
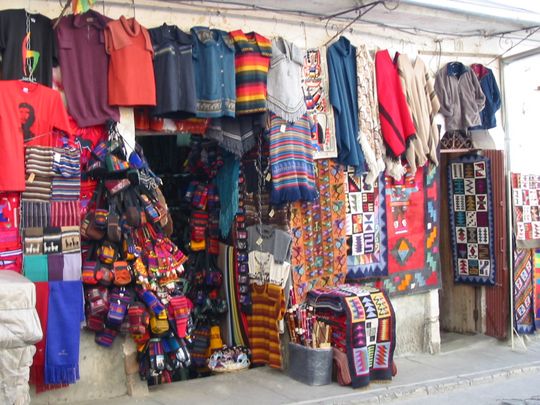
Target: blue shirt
(213, 61)
(344, 98)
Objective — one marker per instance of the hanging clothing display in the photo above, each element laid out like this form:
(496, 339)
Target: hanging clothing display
(491, 92)
(252, 61)
(84, 64)
(419, 89)
(319, 109)
(344, 99)
(396, 123)
(370, 136)
(236, 135)
(268, 310)
(460, 96)
(266, 238)
(291, 160)
(29, 113)
(285, 96)
(131, 72)
(213, 61)
(536, 288)
(173, 69)
(27, 46)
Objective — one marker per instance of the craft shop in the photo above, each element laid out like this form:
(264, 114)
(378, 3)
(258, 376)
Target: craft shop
(188, 190)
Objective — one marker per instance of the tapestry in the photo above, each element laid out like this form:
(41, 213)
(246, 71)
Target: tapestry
(366, 228)
(319, 247)
(363, 326)
(536, 288)
(523, 290)
(526, 212)
(412, 223)
(319, 109)
(471, 220)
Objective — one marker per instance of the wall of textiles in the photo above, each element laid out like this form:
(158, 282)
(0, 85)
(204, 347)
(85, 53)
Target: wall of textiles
(220, 229)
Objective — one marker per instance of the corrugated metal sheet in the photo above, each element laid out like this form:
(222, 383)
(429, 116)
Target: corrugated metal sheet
(497, 297)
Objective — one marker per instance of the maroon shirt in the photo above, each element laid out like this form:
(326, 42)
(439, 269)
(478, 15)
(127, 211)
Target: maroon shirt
(84, 64)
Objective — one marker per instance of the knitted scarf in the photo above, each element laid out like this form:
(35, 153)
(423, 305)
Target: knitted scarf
(227, 183)
(63, 332)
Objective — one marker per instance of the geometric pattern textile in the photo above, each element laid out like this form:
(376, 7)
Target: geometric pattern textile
(526, 210)
(536, 288)
(366, 228)
(471, 220)
(363, 326)
(319, 109)
(523, 290)
(319, 245)
(412, 223)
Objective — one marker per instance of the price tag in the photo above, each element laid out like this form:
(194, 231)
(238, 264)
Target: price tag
(259, 241)
(31, 177)
(268, 177)
(25, 90)
(282, 128)
(57, 157)
(271, 213)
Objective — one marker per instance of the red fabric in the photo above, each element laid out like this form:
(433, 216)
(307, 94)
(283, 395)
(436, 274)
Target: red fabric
(10, 210)
(86, 139)
(396, 122)
(131, 71)
(405, 207)
(28, 114)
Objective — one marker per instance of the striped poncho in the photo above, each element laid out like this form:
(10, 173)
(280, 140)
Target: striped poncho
(291, 160)
(252, 60)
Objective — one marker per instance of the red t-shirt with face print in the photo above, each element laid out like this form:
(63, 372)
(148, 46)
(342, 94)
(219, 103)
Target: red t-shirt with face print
(30, 114)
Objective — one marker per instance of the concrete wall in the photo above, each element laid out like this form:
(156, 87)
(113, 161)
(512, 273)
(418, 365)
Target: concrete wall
(103, 371)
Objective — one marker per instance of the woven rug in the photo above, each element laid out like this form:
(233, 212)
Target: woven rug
(523, 290)
(526, 210)
(471, 220)
(412, 222)
(366, 228)
(319, 247)
(536, 288)
(363, 325)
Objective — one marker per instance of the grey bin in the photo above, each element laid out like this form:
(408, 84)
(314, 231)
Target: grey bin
(310, 366)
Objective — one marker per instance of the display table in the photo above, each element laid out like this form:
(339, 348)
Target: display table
(363, 326)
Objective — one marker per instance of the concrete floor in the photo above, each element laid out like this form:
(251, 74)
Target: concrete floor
(464, 362)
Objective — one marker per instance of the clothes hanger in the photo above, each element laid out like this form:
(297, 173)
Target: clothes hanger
(133, 7)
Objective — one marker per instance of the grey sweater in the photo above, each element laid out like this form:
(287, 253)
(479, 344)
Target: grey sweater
(460, 95)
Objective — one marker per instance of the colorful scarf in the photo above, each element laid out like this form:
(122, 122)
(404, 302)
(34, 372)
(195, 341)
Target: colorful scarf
(227, 184)
(63, 332)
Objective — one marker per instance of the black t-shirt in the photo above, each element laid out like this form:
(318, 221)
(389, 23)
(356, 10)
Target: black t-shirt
(13, 26)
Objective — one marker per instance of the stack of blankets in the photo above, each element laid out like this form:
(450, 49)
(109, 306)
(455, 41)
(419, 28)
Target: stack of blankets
(363, 327)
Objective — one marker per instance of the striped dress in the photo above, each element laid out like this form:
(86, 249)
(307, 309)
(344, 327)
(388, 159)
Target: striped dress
(252, 60)
(291, 160)
(267, 310)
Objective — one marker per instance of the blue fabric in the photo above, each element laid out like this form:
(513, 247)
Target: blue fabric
(65, 315)
(493, 101)
(215, 79)
(344, 98)
(227, 184)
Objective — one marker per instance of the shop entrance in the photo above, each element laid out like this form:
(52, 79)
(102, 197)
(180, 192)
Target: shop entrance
(466, 308)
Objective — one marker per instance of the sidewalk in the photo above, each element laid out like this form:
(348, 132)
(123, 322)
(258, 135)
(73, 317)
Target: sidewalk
(464, 361)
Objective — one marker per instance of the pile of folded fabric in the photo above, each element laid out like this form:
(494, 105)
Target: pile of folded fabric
(363, 328)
